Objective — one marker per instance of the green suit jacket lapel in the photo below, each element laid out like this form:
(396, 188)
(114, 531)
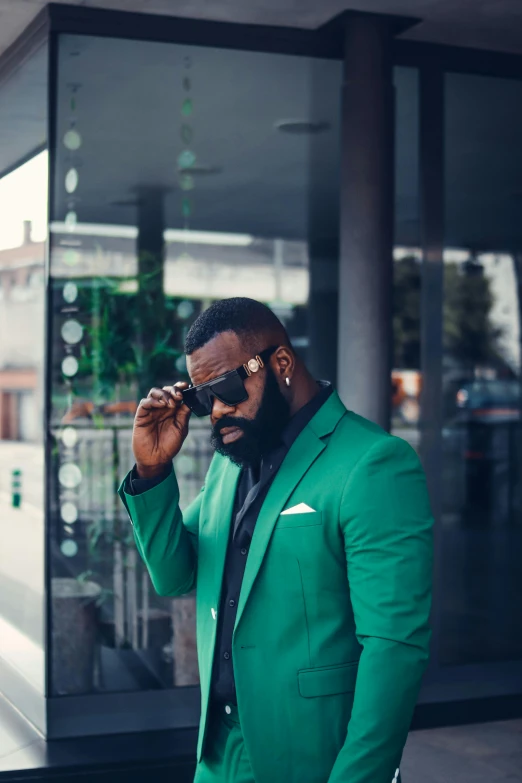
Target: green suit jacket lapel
(300, 457)
(222, 510)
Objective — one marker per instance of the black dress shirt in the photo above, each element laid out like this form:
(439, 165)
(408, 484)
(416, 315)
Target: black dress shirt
(252, 488)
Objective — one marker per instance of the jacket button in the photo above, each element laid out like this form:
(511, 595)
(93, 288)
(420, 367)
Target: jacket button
(228, 710)
(226, 656)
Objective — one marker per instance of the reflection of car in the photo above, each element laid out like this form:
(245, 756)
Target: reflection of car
(488, 415)
(490, 402)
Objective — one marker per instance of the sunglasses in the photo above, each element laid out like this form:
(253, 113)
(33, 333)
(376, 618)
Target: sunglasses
(229, 388)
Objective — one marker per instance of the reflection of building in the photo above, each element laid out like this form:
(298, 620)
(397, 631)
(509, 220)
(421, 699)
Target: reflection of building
(21, 317)
(191, 161)
(198, 265)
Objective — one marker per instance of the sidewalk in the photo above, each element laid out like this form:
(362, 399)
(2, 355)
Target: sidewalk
(481, 753)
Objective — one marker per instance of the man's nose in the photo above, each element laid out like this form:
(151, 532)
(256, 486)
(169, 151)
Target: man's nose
(221, 409)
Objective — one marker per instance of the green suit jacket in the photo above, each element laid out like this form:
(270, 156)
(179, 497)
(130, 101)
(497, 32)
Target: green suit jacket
(331, 637)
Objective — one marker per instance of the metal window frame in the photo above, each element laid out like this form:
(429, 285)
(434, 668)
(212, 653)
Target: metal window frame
(95, 714)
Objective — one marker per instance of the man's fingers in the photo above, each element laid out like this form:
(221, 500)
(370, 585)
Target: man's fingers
(184, 413)
(149, 403)
(175, 391)
(157, 394)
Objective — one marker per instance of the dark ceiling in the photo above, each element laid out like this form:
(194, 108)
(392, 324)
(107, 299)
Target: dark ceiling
(484, 24)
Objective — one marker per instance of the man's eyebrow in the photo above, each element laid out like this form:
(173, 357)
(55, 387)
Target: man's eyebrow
(214, 377)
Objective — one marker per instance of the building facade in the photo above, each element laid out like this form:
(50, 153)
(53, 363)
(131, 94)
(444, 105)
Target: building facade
(365, 186)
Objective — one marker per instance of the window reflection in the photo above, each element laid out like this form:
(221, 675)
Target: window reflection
(165, 200)
(23, 204)
(481, 539)
(406, 372)
(406, 377)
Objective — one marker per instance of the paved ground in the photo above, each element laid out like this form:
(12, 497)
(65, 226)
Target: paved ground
(482, 753)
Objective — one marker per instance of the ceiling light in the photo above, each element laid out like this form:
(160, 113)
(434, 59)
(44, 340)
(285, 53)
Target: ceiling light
(301, 127)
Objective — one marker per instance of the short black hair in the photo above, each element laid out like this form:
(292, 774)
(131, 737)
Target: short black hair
(249, 319)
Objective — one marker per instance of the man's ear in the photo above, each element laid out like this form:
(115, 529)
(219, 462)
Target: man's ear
(284, 363)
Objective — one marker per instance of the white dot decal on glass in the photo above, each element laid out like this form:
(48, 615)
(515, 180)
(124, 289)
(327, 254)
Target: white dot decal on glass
(186, 159)
(69, 437)
(72, 140)
(71, 257)
(70, 366)
(69, 475)
(72, 332)
(69, 548)
(69, 513)
(71, 180)
(70, 292)
(71, 220)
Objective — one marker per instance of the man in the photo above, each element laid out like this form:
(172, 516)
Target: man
(310, 551)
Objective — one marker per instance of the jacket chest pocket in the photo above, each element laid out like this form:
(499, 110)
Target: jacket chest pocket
(307, 519)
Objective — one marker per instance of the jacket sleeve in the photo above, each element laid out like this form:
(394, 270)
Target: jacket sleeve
(166, 538)
(387, 526)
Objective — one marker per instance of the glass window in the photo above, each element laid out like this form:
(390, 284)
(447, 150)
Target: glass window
(406, 373)
(23, 228)
(481, 536)
(182, 175)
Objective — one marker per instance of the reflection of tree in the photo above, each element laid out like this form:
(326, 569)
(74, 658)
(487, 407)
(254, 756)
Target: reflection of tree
(132, 340)
(406, 313)
(470, 337)
(127, 339)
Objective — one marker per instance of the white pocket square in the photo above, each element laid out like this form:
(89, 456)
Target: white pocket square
(301, 508)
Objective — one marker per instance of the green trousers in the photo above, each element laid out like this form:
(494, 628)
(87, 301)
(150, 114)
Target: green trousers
(225, 759)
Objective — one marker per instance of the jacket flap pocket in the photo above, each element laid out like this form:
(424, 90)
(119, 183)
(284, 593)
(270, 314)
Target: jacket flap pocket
(328, 680)
(299, 520)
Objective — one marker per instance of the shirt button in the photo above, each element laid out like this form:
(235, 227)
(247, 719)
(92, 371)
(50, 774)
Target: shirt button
(226, 656)
(231, 602)
(244, 551)
(228, 710)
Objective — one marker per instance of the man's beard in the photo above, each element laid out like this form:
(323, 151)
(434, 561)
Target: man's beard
(261, 434)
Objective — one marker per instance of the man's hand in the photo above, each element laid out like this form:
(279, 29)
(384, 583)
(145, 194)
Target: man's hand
(160, 429)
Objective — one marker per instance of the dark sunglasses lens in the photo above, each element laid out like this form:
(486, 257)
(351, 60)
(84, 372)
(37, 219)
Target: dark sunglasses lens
(198, 401)
(230, 390)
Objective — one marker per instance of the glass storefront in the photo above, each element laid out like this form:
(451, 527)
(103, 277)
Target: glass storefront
(182, 175)
(23, 236)
(481, 525)
(406, 372)
(23, 229)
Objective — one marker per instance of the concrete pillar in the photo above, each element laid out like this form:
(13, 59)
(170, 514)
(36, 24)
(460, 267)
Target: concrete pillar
(367, 195)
